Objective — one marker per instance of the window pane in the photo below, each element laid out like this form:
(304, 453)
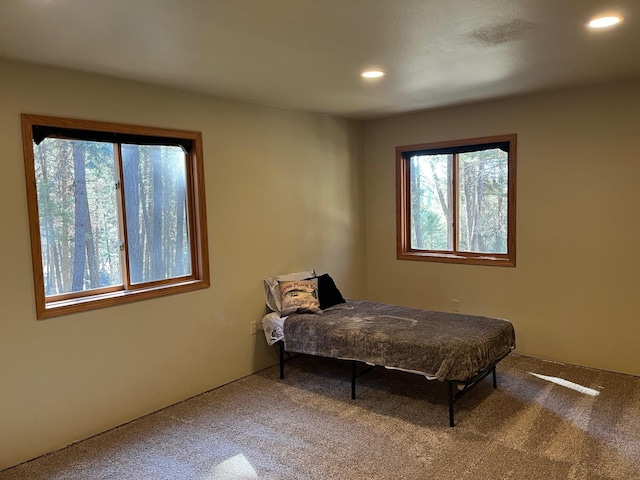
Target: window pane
(483, 204)
(78, 215)
(155, 188)
(430, 202)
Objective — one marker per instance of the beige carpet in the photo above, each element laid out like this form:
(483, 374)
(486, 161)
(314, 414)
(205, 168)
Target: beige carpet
(545, 421)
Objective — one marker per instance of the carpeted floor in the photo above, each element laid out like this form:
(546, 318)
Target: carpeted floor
(545, 421)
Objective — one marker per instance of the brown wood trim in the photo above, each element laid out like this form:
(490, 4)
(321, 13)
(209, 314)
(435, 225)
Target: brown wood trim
(72, 296)
(97, 125)
(402, 192)
(455, 199)
(200, 236)
(54, 309)
(457, 143)
(122, 215)
(448, 257)
(34, 216)
(47, 307)
(511, 226)
(403, 203)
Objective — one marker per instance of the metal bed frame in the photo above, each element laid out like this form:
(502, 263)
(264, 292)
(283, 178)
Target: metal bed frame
(456, 388)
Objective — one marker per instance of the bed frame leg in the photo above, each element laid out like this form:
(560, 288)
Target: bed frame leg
(281, 360)
(353, 379)
(451, 400)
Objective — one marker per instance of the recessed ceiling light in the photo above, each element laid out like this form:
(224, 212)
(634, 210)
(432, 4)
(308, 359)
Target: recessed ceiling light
(372, 74)
(603, 22)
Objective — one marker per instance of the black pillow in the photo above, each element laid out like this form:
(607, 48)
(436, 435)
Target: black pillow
(328, 293)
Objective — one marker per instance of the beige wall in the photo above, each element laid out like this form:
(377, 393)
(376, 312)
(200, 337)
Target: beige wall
(285, 192)
(572, 296)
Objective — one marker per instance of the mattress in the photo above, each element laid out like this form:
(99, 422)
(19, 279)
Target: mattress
(441, 345)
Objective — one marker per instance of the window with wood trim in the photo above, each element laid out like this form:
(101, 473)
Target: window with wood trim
(456, 201)
(117, 212)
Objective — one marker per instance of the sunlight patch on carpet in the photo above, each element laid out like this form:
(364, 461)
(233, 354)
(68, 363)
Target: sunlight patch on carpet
(566, 383)
(236, 467)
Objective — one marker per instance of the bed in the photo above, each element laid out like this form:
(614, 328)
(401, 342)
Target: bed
(454, 348)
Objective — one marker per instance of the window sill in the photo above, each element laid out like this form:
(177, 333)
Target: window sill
(469, 259)
(92, 302)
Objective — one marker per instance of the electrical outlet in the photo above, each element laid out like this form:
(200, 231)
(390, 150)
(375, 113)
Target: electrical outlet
(253, 327)
(455, 305)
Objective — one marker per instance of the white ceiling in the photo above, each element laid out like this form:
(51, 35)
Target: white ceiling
(308, 54)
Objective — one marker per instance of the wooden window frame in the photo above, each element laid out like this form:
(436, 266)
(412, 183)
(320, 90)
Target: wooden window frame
(47, 307)
(403, 207)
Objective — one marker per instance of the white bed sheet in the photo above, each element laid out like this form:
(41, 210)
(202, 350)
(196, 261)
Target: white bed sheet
(272, 324)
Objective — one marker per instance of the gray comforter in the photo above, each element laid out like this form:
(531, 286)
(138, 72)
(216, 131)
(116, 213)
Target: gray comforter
(447, 346)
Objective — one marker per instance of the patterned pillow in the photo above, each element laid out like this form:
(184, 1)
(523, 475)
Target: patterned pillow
(299, 296)
(272, 291)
